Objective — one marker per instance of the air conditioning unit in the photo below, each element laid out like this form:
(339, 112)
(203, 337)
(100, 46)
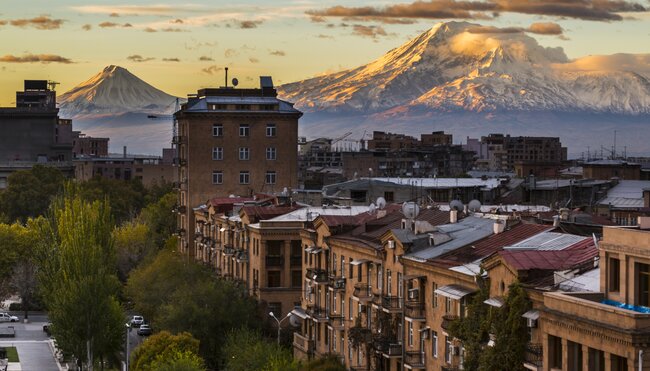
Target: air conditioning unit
(414, 294)
(391, 244)
(531, 322)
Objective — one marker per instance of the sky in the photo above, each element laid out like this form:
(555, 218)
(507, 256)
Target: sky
(181, 47)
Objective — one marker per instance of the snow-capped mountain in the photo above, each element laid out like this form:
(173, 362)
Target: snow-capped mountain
(114, 91)
(460, 66)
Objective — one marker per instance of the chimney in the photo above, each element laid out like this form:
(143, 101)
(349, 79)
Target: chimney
(453, 216)
(499, 226)
(556, 221)
(124, 152)
(643, 222)
(646, 197)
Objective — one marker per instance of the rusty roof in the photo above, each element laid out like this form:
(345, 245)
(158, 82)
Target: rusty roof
(576, 255)
(257, 213)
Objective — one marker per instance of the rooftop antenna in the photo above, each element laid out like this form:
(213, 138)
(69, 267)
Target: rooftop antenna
(52, 85)
(226, 76)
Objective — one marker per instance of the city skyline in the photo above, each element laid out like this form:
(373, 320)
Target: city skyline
(178, 48)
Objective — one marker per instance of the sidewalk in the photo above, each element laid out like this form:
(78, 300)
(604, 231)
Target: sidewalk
(14, 366)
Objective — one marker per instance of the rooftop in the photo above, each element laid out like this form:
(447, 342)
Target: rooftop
(546, 241)
(311, 213)
(626, 194)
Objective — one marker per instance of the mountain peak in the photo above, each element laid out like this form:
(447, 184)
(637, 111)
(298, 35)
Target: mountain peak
(114, 69)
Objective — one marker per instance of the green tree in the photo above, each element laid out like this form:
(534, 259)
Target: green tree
(247, 350)
(473, 330)
(24, 280)
(133, 244)
(29, 192)
(126, 198)
(511, 333)
(13, 241)
(78, 282)
(179, 361)
(163, 347)
(330, 363)
(159, 217)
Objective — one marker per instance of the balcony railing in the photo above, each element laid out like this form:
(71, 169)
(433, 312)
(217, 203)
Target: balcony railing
(391, 303)
(296, 261)
(317, 313)
(534, 354)
(317, 275)
(362, 291)
(275, 261)
(303, 343)
(415, 310)
(388, 347)
(337, 283)
(336, 321)
(414, 359)
(228, 250)
(448, 320)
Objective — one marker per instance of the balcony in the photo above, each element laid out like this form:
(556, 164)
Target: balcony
(414, 360)
(337, 283)
(448, 320)
(241, 256)
(363, 292)
(388, 347)
(391, 304)
(228, 250)
(303, 343)
(317, 313)
(415, 310)
(534, 354)
(275, 261)
(336, 321)
(317, 275)
(295, 261)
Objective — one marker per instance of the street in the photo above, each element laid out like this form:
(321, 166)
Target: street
(31, 343)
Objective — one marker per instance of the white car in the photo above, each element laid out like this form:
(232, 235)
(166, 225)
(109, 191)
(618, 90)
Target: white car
(136, 321)
(5, 317)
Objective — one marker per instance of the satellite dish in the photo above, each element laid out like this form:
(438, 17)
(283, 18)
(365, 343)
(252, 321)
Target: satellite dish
(456, 205)
(235, 82)
(410, 210)
(474, 205)
(294, 320)
(372, 208)
(381, 203)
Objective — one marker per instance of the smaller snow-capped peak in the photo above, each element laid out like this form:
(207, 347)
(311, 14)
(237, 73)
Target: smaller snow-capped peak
(112, 91)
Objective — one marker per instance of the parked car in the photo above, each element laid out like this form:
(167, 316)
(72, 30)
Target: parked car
(5, 317)
(137, 321)
(144, 330)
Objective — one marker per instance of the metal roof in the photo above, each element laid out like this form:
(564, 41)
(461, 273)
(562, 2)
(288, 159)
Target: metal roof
(626, 194)
(454, 291)
(202, 104)
(443, 182)
(588, 281)
(547, 241)
(311, 213)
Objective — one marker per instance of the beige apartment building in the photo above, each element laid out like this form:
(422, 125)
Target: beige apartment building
(233, 141)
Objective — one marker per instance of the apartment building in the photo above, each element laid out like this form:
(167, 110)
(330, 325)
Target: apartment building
(383, 294)
(234, 142)
(542, 154)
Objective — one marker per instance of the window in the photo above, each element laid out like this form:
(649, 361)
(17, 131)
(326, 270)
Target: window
(410, 333)
(389, 283)
(244, 130)
(351, 269)
(296, 279)
(244, 153)
(271, 153)
(217, 130)
(270, 177)
(343, 306)
(276, 308)
(614, 274)
(244, 177)
(342, 266)
(447, 349)
(435, 296)
(334, 264)
(448, 305)
(273, 279)
(217, 177)
(643, 288)
(334, 303)
(270, 130)
(434, 344)
(350, 308)
(217, 153)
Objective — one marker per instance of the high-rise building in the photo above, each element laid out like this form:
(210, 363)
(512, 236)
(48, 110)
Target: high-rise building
(234, 141)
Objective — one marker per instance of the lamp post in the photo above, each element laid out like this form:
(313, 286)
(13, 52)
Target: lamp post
(279, 322)
(128, 331)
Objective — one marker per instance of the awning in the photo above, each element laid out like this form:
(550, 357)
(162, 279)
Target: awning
(299, 312)
(531, 314)
(359, 261)
(495, 302)
(454, 291)
(313, 250)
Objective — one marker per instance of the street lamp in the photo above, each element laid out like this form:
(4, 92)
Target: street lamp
(279, 322)
(128, 331)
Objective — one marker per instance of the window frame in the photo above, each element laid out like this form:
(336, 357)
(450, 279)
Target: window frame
(244, 153)
(247, 176)
(219, 175)
(217, 130)
(244, 130)
(218, 151)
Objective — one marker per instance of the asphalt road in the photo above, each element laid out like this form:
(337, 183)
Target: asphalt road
(31, 343)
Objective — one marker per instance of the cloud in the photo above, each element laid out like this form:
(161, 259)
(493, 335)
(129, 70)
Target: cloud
(546, 28)
(149, 29)
(35, 58)
(278, 53)
(41, 23)
(171, 60)
(639, 63)
(368, 31)
(204, 58)
(171, 29)
(212, 70)
(86, 27)
(114, 25)
(253, 60)
(323, 36)
(539, 28)
(137, 9)
(244, 25)
(177, 21)
(229, 53)
(593, 10)
(2, 22)
(115, 15)
(139, 58)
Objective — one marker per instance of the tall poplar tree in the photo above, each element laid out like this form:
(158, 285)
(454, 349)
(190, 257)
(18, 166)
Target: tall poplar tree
(78, 278)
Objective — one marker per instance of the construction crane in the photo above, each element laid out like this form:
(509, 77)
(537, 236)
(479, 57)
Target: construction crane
(334, 141)
(175, 139)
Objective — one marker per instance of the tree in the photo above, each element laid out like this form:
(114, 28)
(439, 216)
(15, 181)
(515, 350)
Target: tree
(511, 334)
(13, 240)
(29, 192)
(179, 361)
(473, 330)
(247, 350)
(165, 348)
(133, 243)
(330, 363)
(159, 217)
(126, 198)
(78, 282)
